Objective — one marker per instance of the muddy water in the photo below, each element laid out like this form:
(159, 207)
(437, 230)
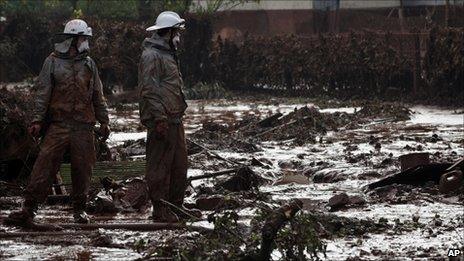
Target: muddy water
(430, 241)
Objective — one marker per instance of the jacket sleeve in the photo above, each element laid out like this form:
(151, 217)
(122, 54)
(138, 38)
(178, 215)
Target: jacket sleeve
(43, 93)
(99, 101)
(150, 106)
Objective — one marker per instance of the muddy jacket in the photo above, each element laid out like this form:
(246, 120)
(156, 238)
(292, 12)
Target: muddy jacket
(70, 90)
(160, 83)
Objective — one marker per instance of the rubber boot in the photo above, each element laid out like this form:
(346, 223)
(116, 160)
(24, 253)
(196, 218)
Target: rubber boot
(79, 214)
(24, 217)
(186, 213)
(163, 214)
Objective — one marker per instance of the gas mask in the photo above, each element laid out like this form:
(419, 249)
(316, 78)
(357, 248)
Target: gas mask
(175, 39)
(84, 46)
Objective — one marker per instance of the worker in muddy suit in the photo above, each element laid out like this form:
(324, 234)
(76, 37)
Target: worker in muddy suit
(162, 105)
(69, 101)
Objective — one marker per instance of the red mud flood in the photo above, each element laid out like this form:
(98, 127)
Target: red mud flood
(347, 159)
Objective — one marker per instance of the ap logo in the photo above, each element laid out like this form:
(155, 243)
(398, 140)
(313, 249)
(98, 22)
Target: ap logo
(454, 253)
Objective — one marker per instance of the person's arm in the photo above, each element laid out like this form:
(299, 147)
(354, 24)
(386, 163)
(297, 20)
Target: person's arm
(152, 111)
(99, 101)
(44, 86)
(99, 105)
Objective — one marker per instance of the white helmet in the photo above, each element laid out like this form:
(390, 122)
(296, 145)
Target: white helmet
(77, 27)
(167, 19)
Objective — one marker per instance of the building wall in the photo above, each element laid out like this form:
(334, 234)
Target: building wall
(361, 4)
(330, 4)
(319, 16)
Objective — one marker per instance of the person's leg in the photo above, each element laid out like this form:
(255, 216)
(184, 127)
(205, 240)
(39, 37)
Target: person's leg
(83, 158)
(178, 183)
(43, 173)
(159, 157)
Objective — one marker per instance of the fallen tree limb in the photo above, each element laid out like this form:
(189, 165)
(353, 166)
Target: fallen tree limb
(273, 224)
(214, 174)
(132, 226)
(43, 234)
(214, 154)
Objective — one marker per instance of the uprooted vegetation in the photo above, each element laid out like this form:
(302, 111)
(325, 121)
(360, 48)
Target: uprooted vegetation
(301, 126)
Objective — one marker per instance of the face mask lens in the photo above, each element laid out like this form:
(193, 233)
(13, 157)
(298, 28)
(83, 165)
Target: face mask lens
(84, 46)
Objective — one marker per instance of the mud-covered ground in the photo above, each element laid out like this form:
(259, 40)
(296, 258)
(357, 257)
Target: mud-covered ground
(341, 150)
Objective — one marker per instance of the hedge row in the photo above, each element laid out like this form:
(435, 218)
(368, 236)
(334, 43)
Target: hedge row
(357, 65)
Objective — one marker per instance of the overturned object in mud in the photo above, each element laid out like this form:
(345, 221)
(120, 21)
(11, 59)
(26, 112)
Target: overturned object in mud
(244, 179)
(451, 181)
(419, 175)
(342, 200)
(412, 160)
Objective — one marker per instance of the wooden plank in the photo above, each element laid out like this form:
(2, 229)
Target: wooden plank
(119, 170)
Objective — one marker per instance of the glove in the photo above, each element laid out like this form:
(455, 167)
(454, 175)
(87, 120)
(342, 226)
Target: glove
(34, 129)
(104, 131)
(161, 129)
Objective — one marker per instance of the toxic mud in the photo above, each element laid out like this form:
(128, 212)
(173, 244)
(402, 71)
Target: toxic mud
(312, 155)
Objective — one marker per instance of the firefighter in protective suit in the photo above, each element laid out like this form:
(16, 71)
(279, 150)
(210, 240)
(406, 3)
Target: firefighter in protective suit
(68, 102)
(162, 106)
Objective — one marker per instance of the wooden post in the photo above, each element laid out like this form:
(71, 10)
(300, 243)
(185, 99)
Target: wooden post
(447, 13)
(417, 65)
(401, 17)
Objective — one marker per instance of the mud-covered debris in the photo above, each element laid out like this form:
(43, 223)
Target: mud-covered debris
(101, 240)
(336, 226)
(192, 147)
(132, 196)
(257, 163)
(289, 164)
(415, 176)
(385, 111)
(214, 127)
(8, 189)
(292, 177)
(338, 201)
(329, 176)
(217, 202)
(369, 175)
(244, 179)
(342, 200)
(128, 196)
(131, 148)
(270, 121)
(9, 203)
(102, 204)
(412, 160)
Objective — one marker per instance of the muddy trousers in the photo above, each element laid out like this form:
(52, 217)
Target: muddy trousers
(79, 140)
(167, 164)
